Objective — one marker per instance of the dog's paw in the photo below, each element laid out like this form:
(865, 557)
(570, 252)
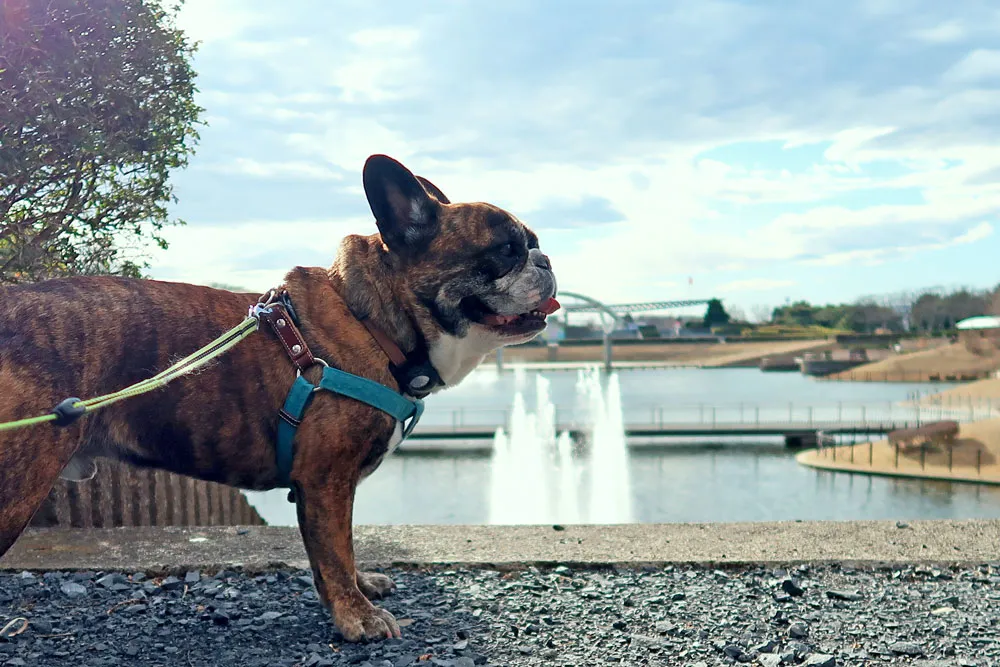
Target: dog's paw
(375, 586)
(358, 623)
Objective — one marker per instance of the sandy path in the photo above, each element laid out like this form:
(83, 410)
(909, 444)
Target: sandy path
(950, 361)
(975, 457)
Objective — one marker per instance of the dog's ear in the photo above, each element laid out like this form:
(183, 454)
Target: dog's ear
(434, 190)
(406, 215)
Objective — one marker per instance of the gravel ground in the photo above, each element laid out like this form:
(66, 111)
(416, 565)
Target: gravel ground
(816, 616)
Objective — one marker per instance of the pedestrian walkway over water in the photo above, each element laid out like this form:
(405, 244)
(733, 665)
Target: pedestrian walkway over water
(799, 424)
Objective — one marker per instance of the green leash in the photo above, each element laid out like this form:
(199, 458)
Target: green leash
(73, 408)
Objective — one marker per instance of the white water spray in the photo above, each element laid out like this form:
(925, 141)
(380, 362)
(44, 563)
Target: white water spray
(610, 485)
(536, 475)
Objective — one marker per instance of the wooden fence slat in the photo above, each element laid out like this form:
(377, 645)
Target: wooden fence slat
(122, 495)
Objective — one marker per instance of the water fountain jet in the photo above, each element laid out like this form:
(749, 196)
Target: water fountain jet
(536, 475)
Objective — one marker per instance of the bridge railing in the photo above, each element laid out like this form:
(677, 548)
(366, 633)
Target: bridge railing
(844, 414)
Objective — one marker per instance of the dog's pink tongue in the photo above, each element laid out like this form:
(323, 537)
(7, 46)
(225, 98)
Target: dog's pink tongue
(549, 306)
(498, 320)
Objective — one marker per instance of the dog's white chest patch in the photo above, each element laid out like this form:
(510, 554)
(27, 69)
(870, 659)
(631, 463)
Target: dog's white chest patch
(454, 358)
(394, 440)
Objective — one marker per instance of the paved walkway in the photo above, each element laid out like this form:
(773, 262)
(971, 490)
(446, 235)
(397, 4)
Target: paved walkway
(256, 548)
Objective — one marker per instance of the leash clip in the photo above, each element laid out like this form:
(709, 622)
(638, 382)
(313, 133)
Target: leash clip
(256, 311)
(262, 306)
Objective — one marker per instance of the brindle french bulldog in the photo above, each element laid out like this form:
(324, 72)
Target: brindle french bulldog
(444, 283)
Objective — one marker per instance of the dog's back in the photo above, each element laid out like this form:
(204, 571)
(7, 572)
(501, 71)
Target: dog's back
(86, 335)
(89, 336)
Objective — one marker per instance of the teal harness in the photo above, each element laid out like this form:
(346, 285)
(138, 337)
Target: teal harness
(402, 409)
(277, 311)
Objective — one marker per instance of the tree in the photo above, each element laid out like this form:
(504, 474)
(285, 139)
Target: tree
(866, 316)
(936, 310)
(715, 314)
(964, 303)
(761, 313)
(800, 313)
(96, 108)
(737, 314)
(928, 312)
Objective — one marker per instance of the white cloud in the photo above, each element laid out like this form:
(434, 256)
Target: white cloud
(347, 142)
(382, 66)
(210, 21)
(380, 38)
(233, 254)
(753, 285)
(847, 143)
(243, 48)
(905, 247)
(980, 232)
(509, 110)
(942, 33)
(251, 167)
(979, 65)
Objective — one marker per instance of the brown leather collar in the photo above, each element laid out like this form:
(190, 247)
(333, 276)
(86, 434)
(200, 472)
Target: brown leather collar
(414, 372)
(391, 350)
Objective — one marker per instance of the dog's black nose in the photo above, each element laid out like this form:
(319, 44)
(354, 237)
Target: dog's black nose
(540, 259)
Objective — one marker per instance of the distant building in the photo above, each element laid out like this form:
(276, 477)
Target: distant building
(668, 327)
(981, 322)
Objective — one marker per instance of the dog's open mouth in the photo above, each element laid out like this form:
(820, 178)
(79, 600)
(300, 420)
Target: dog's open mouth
(510, 325)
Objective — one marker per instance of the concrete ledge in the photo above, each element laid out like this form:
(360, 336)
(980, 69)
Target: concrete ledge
(261, 548)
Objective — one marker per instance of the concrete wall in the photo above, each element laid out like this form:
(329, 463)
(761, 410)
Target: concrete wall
(122, 495)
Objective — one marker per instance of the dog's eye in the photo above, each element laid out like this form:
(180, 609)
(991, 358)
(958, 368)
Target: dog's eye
(507, 250)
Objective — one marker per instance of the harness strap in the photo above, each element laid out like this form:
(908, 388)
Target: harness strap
(380, 397)
(278, 312)
(291, 338)
(290, 417)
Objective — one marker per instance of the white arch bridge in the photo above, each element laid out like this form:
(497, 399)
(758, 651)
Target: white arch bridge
(613, 314)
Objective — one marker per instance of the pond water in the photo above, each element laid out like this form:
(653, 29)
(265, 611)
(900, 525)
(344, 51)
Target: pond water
(531, 473)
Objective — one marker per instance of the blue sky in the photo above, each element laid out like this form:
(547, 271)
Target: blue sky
(767, 150)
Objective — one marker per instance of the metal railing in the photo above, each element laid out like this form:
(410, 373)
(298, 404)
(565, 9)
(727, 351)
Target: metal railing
(819, 416)
(915, 461)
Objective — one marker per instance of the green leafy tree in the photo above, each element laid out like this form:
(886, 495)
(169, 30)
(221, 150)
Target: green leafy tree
(96, 109)
(800, 313)
(715, 314)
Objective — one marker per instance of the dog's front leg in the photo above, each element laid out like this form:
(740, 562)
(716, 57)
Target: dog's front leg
(325, 513)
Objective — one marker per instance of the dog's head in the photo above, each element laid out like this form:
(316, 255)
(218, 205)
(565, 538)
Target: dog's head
(477, 276)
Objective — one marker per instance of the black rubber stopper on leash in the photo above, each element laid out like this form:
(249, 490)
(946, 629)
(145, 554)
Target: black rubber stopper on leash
(68, 412)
